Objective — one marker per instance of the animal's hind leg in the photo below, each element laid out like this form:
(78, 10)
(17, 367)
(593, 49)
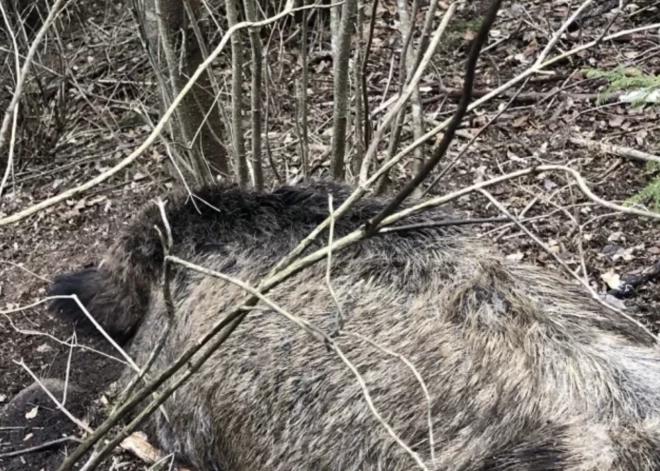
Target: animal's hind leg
(31, 419)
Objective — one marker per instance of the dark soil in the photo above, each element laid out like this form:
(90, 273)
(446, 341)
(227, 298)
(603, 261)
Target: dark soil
(52, 244)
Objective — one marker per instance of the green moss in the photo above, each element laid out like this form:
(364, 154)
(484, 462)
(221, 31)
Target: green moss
(456, 32)
(469, 25)
(624, 79)
(651, 193)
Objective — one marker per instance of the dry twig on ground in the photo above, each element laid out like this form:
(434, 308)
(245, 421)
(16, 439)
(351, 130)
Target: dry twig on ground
(10, 114)
(619, 151)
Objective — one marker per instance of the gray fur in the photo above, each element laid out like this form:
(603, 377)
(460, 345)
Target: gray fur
(525, 370)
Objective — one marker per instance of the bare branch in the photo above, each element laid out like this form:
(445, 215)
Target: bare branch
(401, 101)
(16, 265)
(57, 403)
(363, 67)
(468, 82)
(561, 31)
(303, 102)
(36, 333)
(98, 327)
(328, 279)
(10, 157)
(237, 95)
(619, 151)
(41, 446)
(473, 140)
(20, 81)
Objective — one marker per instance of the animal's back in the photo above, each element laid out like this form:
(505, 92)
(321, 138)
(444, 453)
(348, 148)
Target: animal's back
(523, 370)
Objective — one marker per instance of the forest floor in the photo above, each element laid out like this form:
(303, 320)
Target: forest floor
(537, 127)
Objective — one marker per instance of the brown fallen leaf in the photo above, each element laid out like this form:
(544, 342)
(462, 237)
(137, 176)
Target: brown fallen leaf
(515, 257)
(138, 445)
(616, 121)
(32, 413)
(611, 279)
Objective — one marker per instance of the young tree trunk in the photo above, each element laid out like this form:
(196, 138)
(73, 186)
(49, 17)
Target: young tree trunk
(177, 55)
(341, 88)
(257, 54)
(240, 163)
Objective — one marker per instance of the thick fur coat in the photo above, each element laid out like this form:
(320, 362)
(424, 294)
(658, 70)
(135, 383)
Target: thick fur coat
(524, 370)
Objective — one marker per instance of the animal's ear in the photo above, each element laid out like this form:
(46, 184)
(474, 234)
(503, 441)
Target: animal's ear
(114, 305)
(84, 284)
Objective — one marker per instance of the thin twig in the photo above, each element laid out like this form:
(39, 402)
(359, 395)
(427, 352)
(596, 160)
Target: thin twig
(447, 138)
(20, 80)
(568, 269)
(41, 446)
(16, 265)
(402, 100)
(619, 151)
(418, 377)
(473, 140)
(407, 66)
(116, 346)
(328, 279)
(359, 119)
(617, 11)
(67, 373)
(560, 31)
(444, 223)
(365, 62)
(57, 403)
(36, 333)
